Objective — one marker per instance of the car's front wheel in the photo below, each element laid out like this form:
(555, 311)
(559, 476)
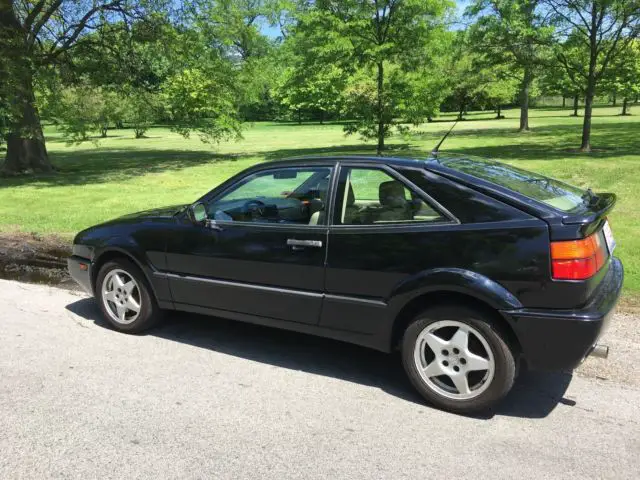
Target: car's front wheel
(125, 297)
(457, 359)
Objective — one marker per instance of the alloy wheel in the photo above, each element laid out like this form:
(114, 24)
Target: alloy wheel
(454, 360)
(121, 296)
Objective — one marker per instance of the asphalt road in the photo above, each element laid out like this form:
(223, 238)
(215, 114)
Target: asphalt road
(207, 398)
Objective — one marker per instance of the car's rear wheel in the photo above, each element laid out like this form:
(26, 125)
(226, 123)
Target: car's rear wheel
(457, 359)
(125, 298)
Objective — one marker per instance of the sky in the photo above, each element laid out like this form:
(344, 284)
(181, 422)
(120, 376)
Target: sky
(274, 31)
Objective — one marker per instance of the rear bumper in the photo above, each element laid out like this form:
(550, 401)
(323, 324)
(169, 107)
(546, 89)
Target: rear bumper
(561, 339)
(81, 276)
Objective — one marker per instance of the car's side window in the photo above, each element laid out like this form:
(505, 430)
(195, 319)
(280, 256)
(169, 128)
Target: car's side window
(291, 195)
(371, 196)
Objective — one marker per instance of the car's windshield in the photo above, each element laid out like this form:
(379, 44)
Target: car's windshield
(555, 193)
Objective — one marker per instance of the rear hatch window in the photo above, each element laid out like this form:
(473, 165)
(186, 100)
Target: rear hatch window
(554, 193)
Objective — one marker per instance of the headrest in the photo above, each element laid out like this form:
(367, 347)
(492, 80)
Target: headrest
(323, 189)
(391, 194)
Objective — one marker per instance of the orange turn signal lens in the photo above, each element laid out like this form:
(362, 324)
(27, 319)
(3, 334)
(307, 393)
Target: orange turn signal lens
(578, 259)
(574, 249)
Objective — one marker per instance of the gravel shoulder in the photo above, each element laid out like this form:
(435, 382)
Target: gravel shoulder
(208, 398)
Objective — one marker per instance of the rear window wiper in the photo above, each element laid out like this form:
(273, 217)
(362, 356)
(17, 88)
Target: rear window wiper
(538, 180)
(589, 197)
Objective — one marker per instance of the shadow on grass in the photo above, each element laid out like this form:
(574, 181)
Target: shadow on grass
(109, 165)
(548, 143)
(99, 165)
(533, 396)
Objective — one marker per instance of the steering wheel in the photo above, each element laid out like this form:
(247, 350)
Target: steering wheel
(255, 208)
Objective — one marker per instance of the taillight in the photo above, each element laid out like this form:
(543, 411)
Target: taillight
(578, 259)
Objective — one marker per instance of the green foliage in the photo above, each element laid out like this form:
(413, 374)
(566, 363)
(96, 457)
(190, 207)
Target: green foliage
(83, 109)
(379, 44)
(624, 76)
(140, 109)
(235, 24)
(514, 34)
(500, 89)
(199, 100)
(317, 88)
(600, 31)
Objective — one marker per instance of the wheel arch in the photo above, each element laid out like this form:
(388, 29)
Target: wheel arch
(434, 298)
(113, 253)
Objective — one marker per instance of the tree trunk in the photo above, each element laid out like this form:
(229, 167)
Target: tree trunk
(576, 101)
(585, 146)
(625, 106)
(524, 99)
(299, 117)
(321, 117)
(499, 116)
(615, 99)
(564, 101)
(26, 150)
(380, 108)
(461, 111)
(103, 132)
(590, 93)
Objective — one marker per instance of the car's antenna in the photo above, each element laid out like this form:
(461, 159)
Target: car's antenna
(434, 152)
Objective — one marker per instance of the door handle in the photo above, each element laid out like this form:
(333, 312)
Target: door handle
(292, 242)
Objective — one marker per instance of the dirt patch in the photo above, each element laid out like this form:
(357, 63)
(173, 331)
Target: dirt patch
(29, 257)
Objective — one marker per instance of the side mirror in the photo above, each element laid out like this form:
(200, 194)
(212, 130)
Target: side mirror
(198, 213)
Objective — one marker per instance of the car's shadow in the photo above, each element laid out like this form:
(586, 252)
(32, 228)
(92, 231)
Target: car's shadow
(534, 395)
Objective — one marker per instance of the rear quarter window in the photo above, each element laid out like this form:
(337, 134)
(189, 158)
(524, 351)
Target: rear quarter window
(557, 194)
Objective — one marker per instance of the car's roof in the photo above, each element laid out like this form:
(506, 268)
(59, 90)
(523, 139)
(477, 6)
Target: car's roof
(400, 161)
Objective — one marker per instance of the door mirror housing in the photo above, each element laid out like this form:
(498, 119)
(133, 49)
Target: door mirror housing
(198, 213)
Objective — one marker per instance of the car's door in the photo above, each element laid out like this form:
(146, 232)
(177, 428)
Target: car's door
(265, 250)
(383, 230)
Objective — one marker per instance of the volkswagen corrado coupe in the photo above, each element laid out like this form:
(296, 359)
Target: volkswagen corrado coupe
(469, 267)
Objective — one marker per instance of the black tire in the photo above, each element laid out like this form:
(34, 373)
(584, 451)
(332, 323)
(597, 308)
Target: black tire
(505, 366)
(150, 313)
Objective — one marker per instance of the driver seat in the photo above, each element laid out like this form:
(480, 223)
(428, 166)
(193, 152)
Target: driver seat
(318, 207)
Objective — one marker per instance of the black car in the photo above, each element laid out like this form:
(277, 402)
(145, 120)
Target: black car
(468, 267)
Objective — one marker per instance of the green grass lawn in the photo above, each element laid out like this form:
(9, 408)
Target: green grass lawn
(122, 174)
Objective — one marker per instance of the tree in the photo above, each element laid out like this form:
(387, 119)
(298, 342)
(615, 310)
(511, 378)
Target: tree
(310, 84)
(83, 109)
(499, 89)
(606, 28)
(378, 40)
(140, 109)
(35, 34)
(317, 88)
(201, 99)
(555, 80)
(623, 78)
(516, 34)
(235, 25)
(465, 79)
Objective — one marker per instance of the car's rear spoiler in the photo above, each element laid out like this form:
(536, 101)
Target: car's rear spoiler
(594, 212)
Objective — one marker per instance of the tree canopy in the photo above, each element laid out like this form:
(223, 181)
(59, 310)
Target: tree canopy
(379, 66)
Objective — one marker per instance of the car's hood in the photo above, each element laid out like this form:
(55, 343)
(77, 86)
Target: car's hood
(161, 212)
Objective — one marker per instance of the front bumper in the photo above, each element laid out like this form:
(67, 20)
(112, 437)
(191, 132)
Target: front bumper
(79, 269)
(561, 339)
